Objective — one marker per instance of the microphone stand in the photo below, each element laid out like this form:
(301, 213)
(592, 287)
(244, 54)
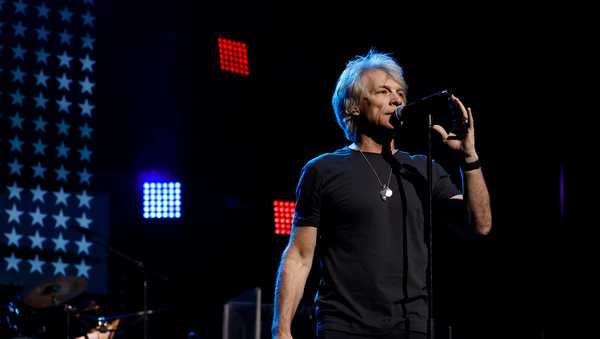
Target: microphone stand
(428, 224)
(398, 115)
(139, 264)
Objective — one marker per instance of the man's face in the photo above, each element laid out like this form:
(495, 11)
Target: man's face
(381, 95)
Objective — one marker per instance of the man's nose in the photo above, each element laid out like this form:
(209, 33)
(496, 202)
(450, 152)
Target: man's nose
(396, 100)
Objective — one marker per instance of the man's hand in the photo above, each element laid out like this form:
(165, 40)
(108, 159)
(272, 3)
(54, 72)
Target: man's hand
(467, 144)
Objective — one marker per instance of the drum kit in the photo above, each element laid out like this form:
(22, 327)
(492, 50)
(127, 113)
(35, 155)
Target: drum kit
(52, 310)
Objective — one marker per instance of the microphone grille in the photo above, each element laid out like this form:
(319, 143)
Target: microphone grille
(398, 112)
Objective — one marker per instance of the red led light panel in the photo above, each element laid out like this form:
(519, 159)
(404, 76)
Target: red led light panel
(283, 214)
(233, 56)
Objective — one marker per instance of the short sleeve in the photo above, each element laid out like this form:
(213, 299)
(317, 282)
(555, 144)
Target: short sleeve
(308, 197)
(443, 188)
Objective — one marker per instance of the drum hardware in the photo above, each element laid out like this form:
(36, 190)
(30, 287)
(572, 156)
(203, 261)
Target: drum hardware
(55, 292)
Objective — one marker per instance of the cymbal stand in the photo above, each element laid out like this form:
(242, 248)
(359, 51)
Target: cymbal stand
(137, 263)
(68, 310)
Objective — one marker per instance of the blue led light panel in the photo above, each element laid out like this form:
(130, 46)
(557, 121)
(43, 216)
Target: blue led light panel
(162, 200)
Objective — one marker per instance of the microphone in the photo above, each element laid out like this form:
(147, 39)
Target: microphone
(441, 108)
(396, 119)
(413, 106)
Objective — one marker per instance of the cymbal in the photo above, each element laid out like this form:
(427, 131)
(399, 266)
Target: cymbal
(55, 292)
(88, 309)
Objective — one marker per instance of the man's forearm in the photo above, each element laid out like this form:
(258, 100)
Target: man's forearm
(289, 288)
(478, 201)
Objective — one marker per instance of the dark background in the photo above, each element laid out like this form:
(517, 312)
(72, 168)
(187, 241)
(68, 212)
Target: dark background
(236, 143)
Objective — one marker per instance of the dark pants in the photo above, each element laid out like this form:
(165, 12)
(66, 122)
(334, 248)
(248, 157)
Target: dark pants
(396, 334)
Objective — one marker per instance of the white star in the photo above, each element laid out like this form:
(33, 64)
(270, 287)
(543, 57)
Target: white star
(38, 170)
(87, 63)
(42, 10)
(84, 199)
(87, 42)
(12, 262)
(14, 191)
(83, 245)
(61, 220)
(88, 19)
(39, 147)
(86, 131)
(65, 14)
(17, 121)
(37, 217)
(14, 214)
(13, 238)
(61, 173)
(61, 196)
(82, 269)
(86, 108)
(15, 167)
(38, 194)
(59, 266)
(84, 176)
(20, 6)
(16, 144)
(84, 221)
(36, 240)
(86, 86)
(60, 243)
(85, 154)
(36, 264)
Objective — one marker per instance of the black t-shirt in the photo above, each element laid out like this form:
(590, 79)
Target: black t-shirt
(372, 252)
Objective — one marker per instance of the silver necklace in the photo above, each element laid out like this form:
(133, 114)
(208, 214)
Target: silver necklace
(386, 191)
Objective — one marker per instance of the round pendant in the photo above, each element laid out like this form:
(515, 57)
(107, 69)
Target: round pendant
(385, 193)
(388, 192)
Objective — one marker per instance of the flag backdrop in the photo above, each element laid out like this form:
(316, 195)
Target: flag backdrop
(47, 109)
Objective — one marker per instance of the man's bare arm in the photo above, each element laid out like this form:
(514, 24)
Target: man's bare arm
(293, 272)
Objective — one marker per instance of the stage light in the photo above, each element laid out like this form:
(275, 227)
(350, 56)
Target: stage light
(283, 215)
(233, 56)
(159, 199)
